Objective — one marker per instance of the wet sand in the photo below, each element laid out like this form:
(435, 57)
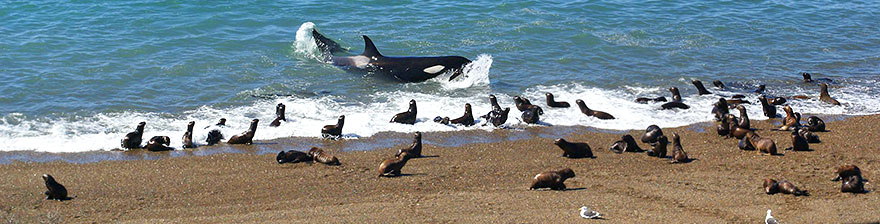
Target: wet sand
(469, 183)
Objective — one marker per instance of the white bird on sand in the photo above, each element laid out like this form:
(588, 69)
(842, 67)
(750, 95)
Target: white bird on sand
(587, 213)
(769, 219)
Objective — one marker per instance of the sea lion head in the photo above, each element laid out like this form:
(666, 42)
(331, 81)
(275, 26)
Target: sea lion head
(222, 121)
(566, 173)
(560, 142)
(48, 178)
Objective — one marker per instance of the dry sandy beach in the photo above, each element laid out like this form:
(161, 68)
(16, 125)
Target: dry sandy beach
(471, 183)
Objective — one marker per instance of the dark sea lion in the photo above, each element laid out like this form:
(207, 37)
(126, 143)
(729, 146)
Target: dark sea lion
(815, 124)
(743, 118)
(292, 156)
(736, 131)
(777, 101)
(626, 144)
(673, 105)
(678, 153)
(55, 190)
(320, 156)
(188, 135)
(761, 89)
(824, 97)
(644, 100)
(846, 171)
(791, 121)
(720, 109)
(809, 78)
(531, 115)
(467, 119)
(651, 134)
(554, 179)
(702, 89)
(279, 115)
(441, 120)
(736, 102)
(798, 142)
(497, 117)
(762, 145)
(723, 128)
(523, 104)
(738, 96)
(659, 148)
(852, 184)
(132, 140)
(676, 96)
(407, 117)
(246, 137)
(594, 113)
(574, 149)
(769, 109)
(415, 149)
(718, 84)
(222, 122)
(494, 102)
(391, 167)
(159, 143)
(771, 186)
(214, 137)
(787, 187)
(335, 130)
(553, 103)
(744, 144)
(808, 135)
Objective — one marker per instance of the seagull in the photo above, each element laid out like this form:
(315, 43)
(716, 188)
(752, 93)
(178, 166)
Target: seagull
(769, 219)
(590, 214)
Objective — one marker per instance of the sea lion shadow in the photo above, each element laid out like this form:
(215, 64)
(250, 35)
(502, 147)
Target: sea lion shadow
(63, 199)
(575, 189)
(410, 174)
(264, 143)
(431, 156)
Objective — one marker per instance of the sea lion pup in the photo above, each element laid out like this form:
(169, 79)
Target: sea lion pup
(763, 145)
(214, 137)
(407, 117)
(743, 118)
(279, 115)
(595, 113)
(720, 109)
(798, 142)
(391, 167)
(531, 115)
(292, 156)
(334, 130)
(320, 156)
(702, 89)
(554, 179)
(791, 121)
(188, 135)
(809, 78)
(574, 149)
(852, 184)
(415, 150)
(761, 89)
(626, 144)
(824, 97)
(523, 104)
(787, 187)
(815, 124)
(808, 136)
(744, 144)
(159, 143)
(771, 186)
(132, 140)
(846, 171)
(676, 101)
(467, 119)
(659, 148)
(645, 100)
(55, 190)
(441, 120)
(222, 122)
(718, 84)
(678, 153)
(496, 117)
(651, 134)
(736, 131)
(246, 137)
(769, 109)
(777, 101)
(723, 128)
(553, 103)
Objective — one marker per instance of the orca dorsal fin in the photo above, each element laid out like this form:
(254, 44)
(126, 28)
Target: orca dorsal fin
(370, 49)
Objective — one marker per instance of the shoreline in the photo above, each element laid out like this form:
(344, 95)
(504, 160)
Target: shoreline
(465, 182)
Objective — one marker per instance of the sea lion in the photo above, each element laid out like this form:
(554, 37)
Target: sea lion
(554, 179)
(659, 149)
(246, 137)
(279, 115)
(523, 104)
(852, 184)
(736, 102)
(738, 96)
(159, 143)
(702, 89)
(787, 187)
(776, 101)
(531, 115)
(676, 101)
(391, 167)
(769, 109)
(846, 171)
(815, 124)
(736, 131)
(761, 89)
(595, 113)
(494, 102)
(791, 121)
(798, 142)
(718, 84)
(744, 144)
(644, 100)
(799, 97)
(415, 149)
(441, 120)
(553, 103)
(743, 118)
(214, 137)
(496, 117)
(720, 109)
(188, 135)
(335, 130)
(132, 140)
(723, 128)
(651, 134)
(678, 153)
(292, 156)
(676, 96)
(320, 156)
(809, 78)
(574, 149)
(824, 97)
(407, 117)
(808, 136)
(762, 145)
(222, 122)
(467, 119)
(771, 186)
(55, 190)
(626, 144)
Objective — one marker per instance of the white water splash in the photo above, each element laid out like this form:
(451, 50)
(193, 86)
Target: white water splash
(475, 73)
(305, 43)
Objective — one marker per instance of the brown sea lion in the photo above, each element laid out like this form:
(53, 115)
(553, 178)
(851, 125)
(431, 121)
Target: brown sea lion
(626, 144)
(415, 149)
(246, 137)
(659, 148)
(763, 145)
(333, 130)
(815, 124)
(678, 153)
(159, 143)
(279, 115)
(651, 134)
(846, 171)
(554, 179)
(824, 97)
(771, 186)
(132, 140)
(798, 142)
(292, 156)
(594, 113)
(320, 156)
(55, 191)
(553, 103)
(700, 88)
(723, 128)
(799, 97)
(676, 101)
(736, 102)
(467, 119)
(574, 149)
(407, 117)
(852, 184)
(391, 167)
(496, 117)
(808, 135)
(744, 144)
(188, 135)
(718, 84)
(736, 131)
(720, 109)
(523, 104)
(769, 109)
(743, 118)
(214, 137)
(787, 187)
(791, 121)
(531, 115)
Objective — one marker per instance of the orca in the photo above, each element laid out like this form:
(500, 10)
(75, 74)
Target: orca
(402, 69)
